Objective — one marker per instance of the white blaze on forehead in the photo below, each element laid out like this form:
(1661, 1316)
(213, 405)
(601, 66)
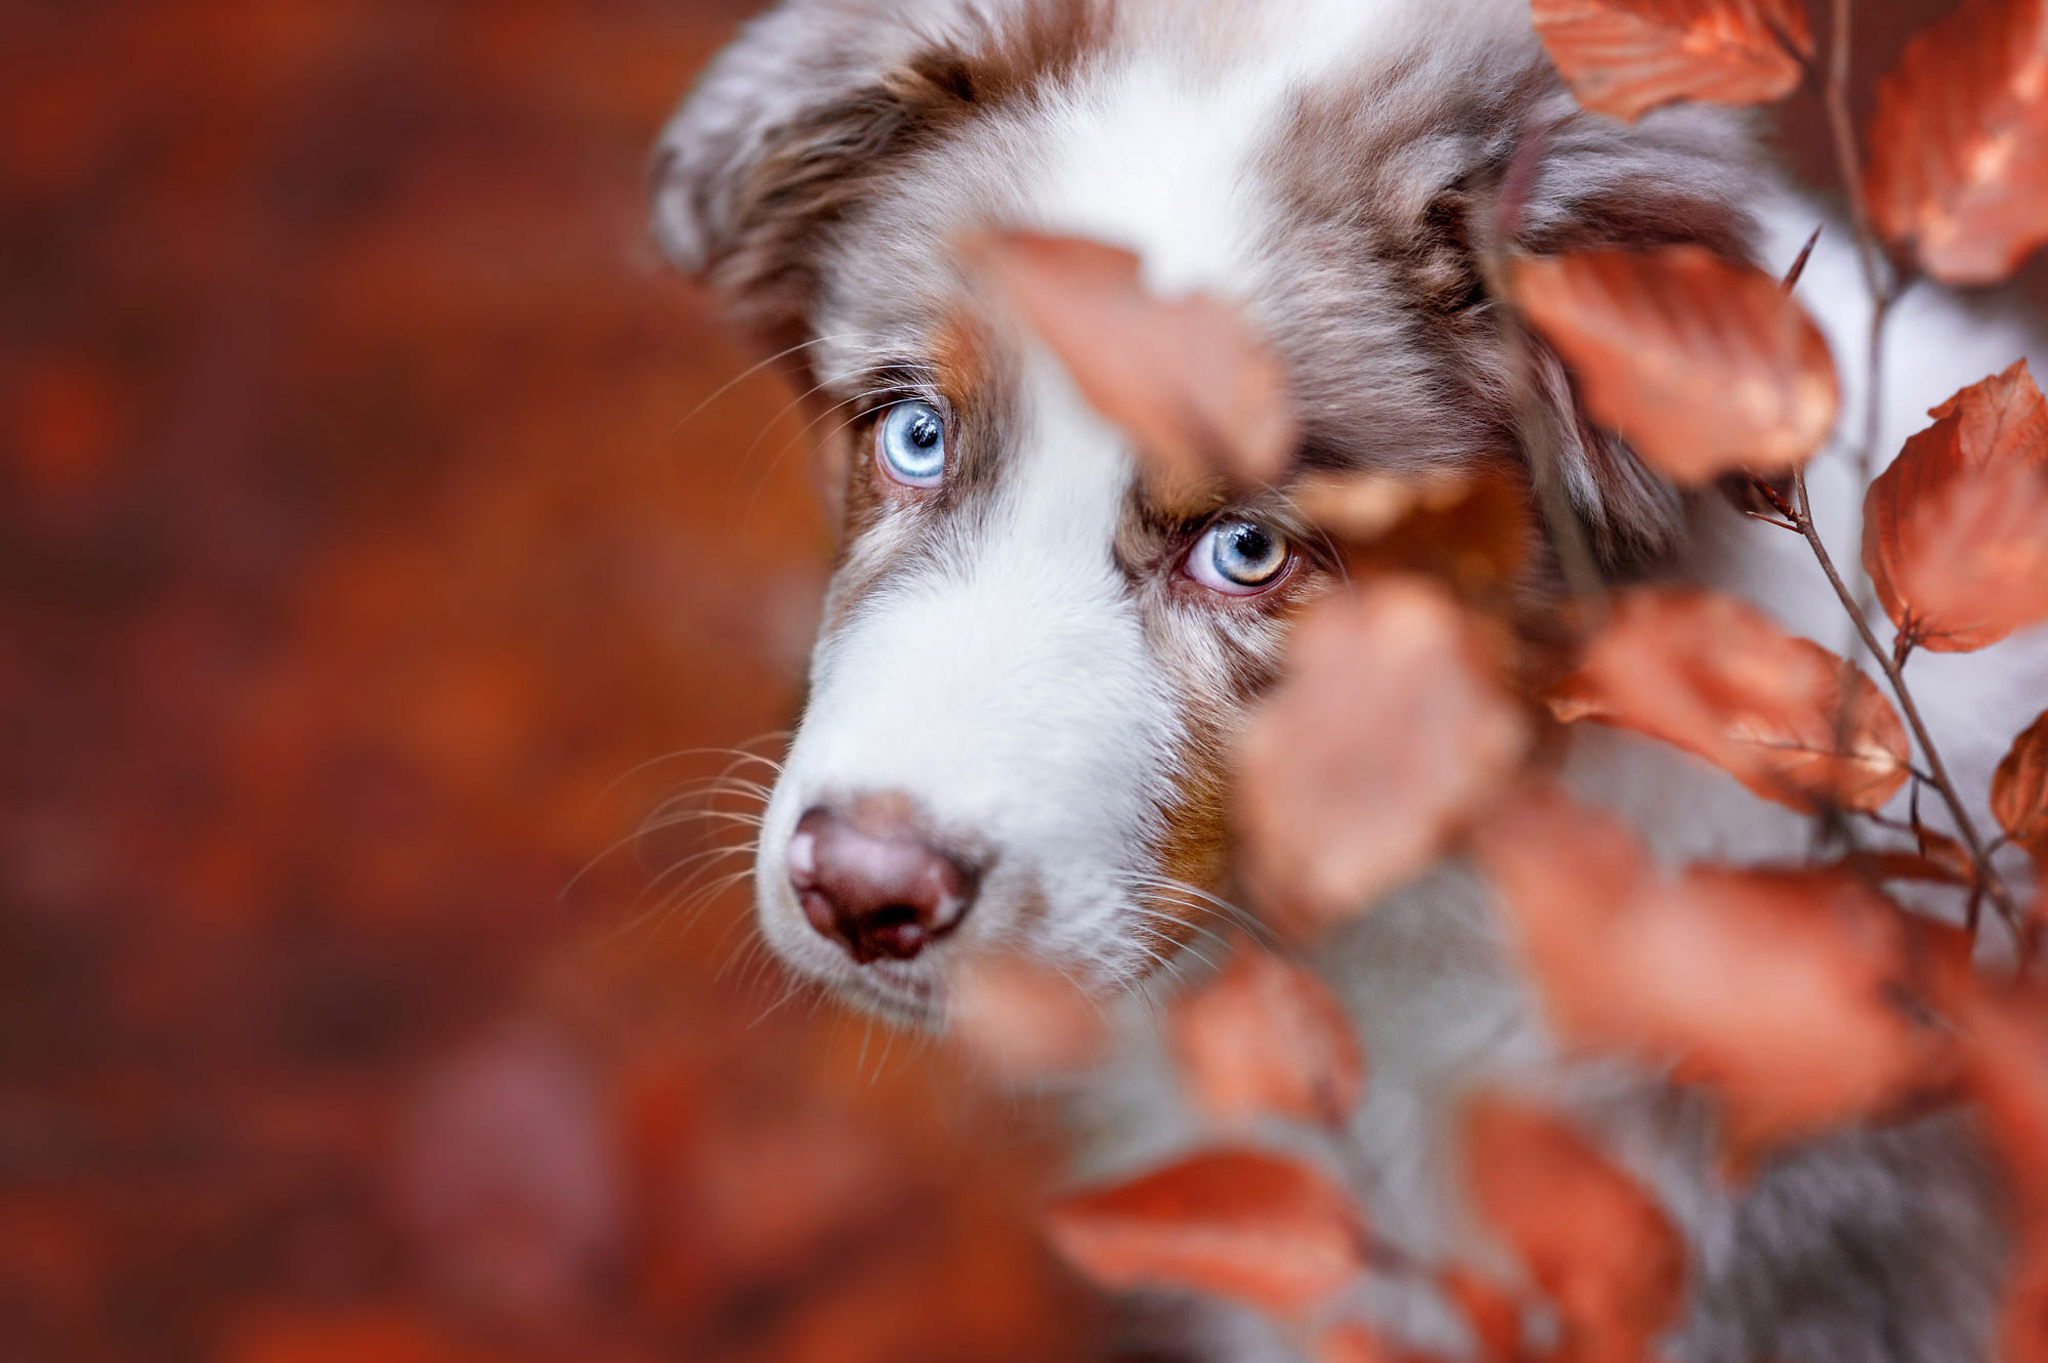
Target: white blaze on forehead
(1161, 153)
(999, 677)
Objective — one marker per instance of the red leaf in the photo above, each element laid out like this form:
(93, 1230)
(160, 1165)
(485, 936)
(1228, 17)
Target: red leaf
(2007, 1046)
(1267, 1037)
(1387, 735)
(1493, 1314)
(1024, 1020)
(1702, 365)
(1955, 531)
(1471, 530)
(1713, 676)
(1593, 1240)
(1258, 1228)
(1779, 989)
(1958, 142)
(2019, 792)
(1186, 378)
(1624, 57)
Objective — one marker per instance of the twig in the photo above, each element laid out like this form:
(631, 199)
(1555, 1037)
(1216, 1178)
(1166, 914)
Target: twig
(1966, 827)
(1848, 161)
(1885, 286)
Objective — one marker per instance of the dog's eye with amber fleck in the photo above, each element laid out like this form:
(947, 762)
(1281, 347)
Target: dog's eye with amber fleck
(1239, 557)
(910, 444)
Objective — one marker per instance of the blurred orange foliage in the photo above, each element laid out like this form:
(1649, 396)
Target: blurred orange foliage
(369, 513)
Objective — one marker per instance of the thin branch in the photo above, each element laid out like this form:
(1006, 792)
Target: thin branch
(1938, 775)
(1848, 160)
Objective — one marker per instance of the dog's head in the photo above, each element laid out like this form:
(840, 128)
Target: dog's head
(1032, 668)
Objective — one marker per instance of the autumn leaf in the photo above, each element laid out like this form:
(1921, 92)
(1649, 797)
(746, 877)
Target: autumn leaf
(1471, 530)
(1955, 531)
(1186, 378)
(2019, 792)
(1387, 734)
(1490, 1310)
(1702, 365)
(1712, 675)
(1624, 57)
(1958, 142)
(1259, 1228)
(1590, 1237)
(1267, 1037)
(1025, 1021)
(2007, 1047)
(1779, 989)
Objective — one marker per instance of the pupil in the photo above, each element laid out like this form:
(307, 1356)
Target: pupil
(924, 431)
(1250, 545)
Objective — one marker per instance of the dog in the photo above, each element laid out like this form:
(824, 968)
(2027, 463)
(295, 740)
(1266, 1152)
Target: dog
(1032, 671)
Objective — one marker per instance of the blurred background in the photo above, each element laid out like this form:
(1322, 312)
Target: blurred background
(380, 546)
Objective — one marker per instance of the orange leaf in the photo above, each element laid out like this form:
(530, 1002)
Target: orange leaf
(1959, 142)
(1779, 989)
(1702, 365)
(1186, 378)
(1024, 1020)
(1492, 1312)
(1259, 1228)
(1713, 676)
(1593, 1240)
(1268, 1037)
(2019, 792)
(1472, 530)
(1624, 57)
(2007, 1045)
(1388, 734)
(1955, 531)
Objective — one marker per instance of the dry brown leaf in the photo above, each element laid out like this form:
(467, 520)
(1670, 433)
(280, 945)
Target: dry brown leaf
(1255, 1227)
(1779, 989)
(2007, 1073)
(1713, 676)
(2019, 792)
(1024, 1020)
(1958, 142)
(1267, 1037)
(1702, 365)
(1624, 57)
(1385, 737)
(1472, 530)
(1945, 863)
(1186, 378)
(1955, 531)
(1590, 1237)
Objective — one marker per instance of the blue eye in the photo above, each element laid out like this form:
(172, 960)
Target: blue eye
(910, 442)
(1238, 557)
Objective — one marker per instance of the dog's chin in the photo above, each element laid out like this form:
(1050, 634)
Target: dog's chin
(900, 992)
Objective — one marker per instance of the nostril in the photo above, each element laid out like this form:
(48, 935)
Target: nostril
(874, 883)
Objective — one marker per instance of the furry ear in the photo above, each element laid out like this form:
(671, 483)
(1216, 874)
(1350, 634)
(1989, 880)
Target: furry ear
(1684, 175)
(761, 149)
(792, 126)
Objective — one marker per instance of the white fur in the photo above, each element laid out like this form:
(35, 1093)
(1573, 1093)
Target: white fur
(1001, 682)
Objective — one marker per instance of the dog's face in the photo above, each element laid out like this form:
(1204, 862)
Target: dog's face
(1033, 664)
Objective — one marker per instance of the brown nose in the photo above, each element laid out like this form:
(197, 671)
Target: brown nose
(882, 891)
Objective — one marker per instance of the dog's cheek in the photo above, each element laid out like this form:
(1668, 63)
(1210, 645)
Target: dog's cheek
(1194, 844)
(1219, 665)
